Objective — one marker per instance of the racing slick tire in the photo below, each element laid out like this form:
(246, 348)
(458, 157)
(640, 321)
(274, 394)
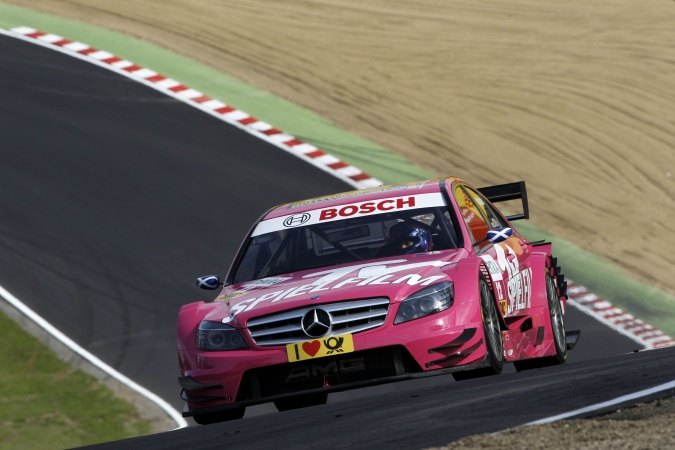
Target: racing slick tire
(221, 416)
(303, 401)
(493, 336)
(557, 326)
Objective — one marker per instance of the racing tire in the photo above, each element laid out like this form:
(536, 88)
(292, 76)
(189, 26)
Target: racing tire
(221, 416)
(493, 337)
(557, 326)
(303, 401)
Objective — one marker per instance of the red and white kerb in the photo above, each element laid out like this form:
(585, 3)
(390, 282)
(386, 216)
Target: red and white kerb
(349, 211)
(616, 318)
(262, 130)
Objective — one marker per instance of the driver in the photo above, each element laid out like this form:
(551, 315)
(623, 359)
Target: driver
(406, 238)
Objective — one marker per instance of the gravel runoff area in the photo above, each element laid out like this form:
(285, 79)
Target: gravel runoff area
(493, 93)
(645, 426)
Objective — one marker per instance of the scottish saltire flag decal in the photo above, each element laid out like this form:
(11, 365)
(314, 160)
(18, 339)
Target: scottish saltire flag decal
(499, 235)
(209, 282)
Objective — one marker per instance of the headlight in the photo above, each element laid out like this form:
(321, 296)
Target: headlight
(216, 336)
(430, 300)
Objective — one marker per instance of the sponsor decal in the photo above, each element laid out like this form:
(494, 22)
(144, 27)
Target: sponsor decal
(251, 286)
(518, 283)
(367, 208)
(318, 370)
(367, 274)
(350, 210)
(500, 294)
(503, 304)
(319, 348)
(377, 273)
(297, 220)
(265, 282)
(492, 266)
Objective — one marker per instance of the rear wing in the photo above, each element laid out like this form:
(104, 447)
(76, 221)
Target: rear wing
(506, 192)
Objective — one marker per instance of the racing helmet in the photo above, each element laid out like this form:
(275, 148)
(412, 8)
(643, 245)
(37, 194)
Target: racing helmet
(406, 239)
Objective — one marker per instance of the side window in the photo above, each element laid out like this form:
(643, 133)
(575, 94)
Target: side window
(493, 218)
(475, 214)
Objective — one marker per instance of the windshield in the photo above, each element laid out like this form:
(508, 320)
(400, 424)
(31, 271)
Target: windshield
(344, 241)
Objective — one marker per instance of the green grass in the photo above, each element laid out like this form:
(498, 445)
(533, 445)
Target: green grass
(45, 403)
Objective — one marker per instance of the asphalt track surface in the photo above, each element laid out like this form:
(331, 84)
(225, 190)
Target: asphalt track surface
(434, 415)
(114, 197)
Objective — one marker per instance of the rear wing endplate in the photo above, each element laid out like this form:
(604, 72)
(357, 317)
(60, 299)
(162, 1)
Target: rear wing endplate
(506, 192)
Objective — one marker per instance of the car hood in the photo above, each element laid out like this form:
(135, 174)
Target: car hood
(395, 278)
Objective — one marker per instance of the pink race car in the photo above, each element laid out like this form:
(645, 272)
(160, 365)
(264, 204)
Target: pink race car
(369, 287)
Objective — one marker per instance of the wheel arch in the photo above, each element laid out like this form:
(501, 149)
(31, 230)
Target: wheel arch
(539, 266)
(472, 269)
(483, 270)
(544, 262)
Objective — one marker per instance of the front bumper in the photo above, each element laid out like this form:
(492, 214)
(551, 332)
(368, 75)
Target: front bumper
(189, 411)
(429, 346)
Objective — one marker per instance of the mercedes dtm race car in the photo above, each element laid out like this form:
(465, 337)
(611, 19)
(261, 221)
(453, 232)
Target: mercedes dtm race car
(369, 287)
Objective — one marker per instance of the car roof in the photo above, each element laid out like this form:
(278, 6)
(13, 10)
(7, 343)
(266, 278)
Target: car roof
(363, 195)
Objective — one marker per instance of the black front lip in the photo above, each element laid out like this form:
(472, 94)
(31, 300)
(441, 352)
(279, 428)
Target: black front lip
(187, 412)
(191, 384)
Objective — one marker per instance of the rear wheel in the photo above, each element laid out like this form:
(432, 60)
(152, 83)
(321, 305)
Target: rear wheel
(557, 322)
(301, 402)
(221, 416)
(493, 336)
(557, 327)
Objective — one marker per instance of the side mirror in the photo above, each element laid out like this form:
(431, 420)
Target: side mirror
(209, 282)
(499, 234)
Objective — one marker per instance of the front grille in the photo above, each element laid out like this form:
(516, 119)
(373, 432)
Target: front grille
(348, 317)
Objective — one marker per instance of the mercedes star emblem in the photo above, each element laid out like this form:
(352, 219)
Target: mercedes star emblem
(316, 323)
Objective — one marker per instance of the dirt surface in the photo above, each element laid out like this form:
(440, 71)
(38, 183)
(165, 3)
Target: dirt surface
(575, 97)
(646, 426)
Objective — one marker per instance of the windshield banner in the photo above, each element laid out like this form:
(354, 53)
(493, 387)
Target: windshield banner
(350, 210)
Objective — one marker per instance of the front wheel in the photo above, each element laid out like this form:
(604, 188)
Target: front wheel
(493, 336)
